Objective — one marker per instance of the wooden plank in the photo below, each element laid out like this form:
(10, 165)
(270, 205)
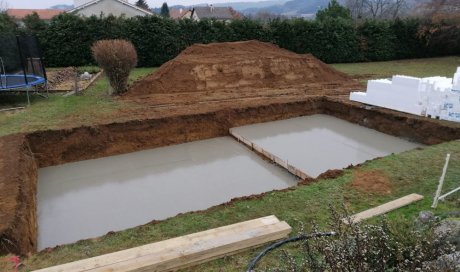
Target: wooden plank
(277, 160)
(387, 207)
(186, 250)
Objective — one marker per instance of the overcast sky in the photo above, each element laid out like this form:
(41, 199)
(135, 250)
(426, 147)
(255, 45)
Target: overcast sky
(152, 3)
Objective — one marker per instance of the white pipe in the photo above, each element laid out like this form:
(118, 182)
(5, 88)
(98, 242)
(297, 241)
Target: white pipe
(441, 182)
(449, 193)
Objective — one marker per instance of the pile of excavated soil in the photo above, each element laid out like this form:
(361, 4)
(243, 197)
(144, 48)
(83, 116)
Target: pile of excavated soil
(236, 66)
(371, 182)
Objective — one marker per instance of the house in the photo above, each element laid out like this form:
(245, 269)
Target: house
(177, 13)
(106, 7)
(210, 12)
(18, 15)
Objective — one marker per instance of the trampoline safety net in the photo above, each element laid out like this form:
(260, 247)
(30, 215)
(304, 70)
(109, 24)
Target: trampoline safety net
(21, 62)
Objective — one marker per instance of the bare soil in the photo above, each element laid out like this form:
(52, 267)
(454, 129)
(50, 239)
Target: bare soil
(372, 181)
(18, 178)
(241, 67)
(63, 80)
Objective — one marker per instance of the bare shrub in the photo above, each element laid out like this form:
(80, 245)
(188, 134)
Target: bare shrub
(364, 248)
(117, 58)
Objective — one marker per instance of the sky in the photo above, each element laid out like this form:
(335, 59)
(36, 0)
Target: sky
(42, 4)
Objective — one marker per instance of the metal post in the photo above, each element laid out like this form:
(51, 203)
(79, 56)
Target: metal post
(28, 99)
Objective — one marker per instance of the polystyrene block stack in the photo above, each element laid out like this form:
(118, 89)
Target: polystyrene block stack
(437, 97)
(456, 81)
(359, 97)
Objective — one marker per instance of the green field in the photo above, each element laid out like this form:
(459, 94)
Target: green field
(416, 171)
(445, 66)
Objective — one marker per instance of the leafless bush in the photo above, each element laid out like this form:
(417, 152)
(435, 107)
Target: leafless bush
(366, 248)
(3, 5)
(117, 58)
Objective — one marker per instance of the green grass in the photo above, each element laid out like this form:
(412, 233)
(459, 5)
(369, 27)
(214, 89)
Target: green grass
(58, 111)
(416, 171)
(444, 66)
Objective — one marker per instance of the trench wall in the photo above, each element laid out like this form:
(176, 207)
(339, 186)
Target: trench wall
(55, 147)
(18, 196)
(403, 125)
(22, 154)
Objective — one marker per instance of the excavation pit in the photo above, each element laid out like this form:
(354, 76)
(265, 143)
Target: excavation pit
(23, 155)
(89, 198)
(314, 144)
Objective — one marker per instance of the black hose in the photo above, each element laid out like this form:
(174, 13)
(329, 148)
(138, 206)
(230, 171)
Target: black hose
(273, 246)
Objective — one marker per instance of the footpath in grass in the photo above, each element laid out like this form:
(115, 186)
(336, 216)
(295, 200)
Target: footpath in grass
(415, 171)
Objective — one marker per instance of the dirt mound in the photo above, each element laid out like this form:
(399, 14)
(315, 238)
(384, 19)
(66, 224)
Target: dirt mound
(245, 65)
(371, 182)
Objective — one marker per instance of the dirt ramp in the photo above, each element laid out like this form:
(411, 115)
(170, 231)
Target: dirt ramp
(245, 65)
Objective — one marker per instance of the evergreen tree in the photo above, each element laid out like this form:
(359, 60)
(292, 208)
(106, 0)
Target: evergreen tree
(333, 10)
(7, 23)
(164, 10)
(34, 24)
(142, 4)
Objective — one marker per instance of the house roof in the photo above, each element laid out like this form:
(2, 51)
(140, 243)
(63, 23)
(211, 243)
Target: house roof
(175, 13)
(44, 14)
(124, 2)
(210, 12)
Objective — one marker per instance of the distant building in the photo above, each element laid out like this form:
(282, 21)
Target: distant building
(226, 14)
(176, 13)
(18, 15)
(115, 7)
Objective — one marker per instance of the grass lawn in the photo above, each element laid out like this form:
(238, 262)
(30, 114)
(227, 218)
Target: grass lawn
(445, 66)
(58, 111)
(415, 171)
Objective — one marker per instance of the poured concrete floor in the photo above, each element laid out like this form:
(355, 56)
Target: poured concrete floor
(317, 143)
(90, 198)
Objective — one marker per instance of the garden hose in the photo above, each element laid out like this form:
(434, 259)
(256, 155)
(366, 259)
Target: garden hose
(273, 246)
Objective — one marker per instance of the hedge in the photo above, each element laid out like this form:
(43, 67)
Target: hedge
(67, 39)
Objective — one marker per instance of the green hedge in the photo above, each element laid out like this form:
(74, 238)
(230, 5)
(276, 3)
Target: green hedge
(67, 39)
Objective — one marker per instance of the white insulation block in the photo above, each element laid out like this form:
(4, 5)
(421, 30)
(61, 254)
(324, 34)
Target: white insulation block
(437, 97)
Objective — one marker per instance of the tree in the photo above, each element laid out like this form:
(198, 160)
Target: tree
(376, 9)
(142, 4)
(7, 23)
(439, 9)
(164, 10)
(33, 23)
(333, 10)
(3, 5)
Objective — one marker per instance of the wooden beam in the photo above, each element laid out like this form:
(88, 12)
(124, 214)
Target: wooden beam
(283, 163)
(387, 207)
(186, 250)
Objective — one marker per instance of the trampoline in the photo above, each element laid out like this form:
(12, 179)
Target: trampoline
(21, 65)
(18, 82)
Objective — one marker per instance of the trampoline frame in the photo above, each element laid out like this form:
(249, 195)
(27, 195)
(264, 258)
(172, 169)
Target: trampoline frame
(26, 86)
